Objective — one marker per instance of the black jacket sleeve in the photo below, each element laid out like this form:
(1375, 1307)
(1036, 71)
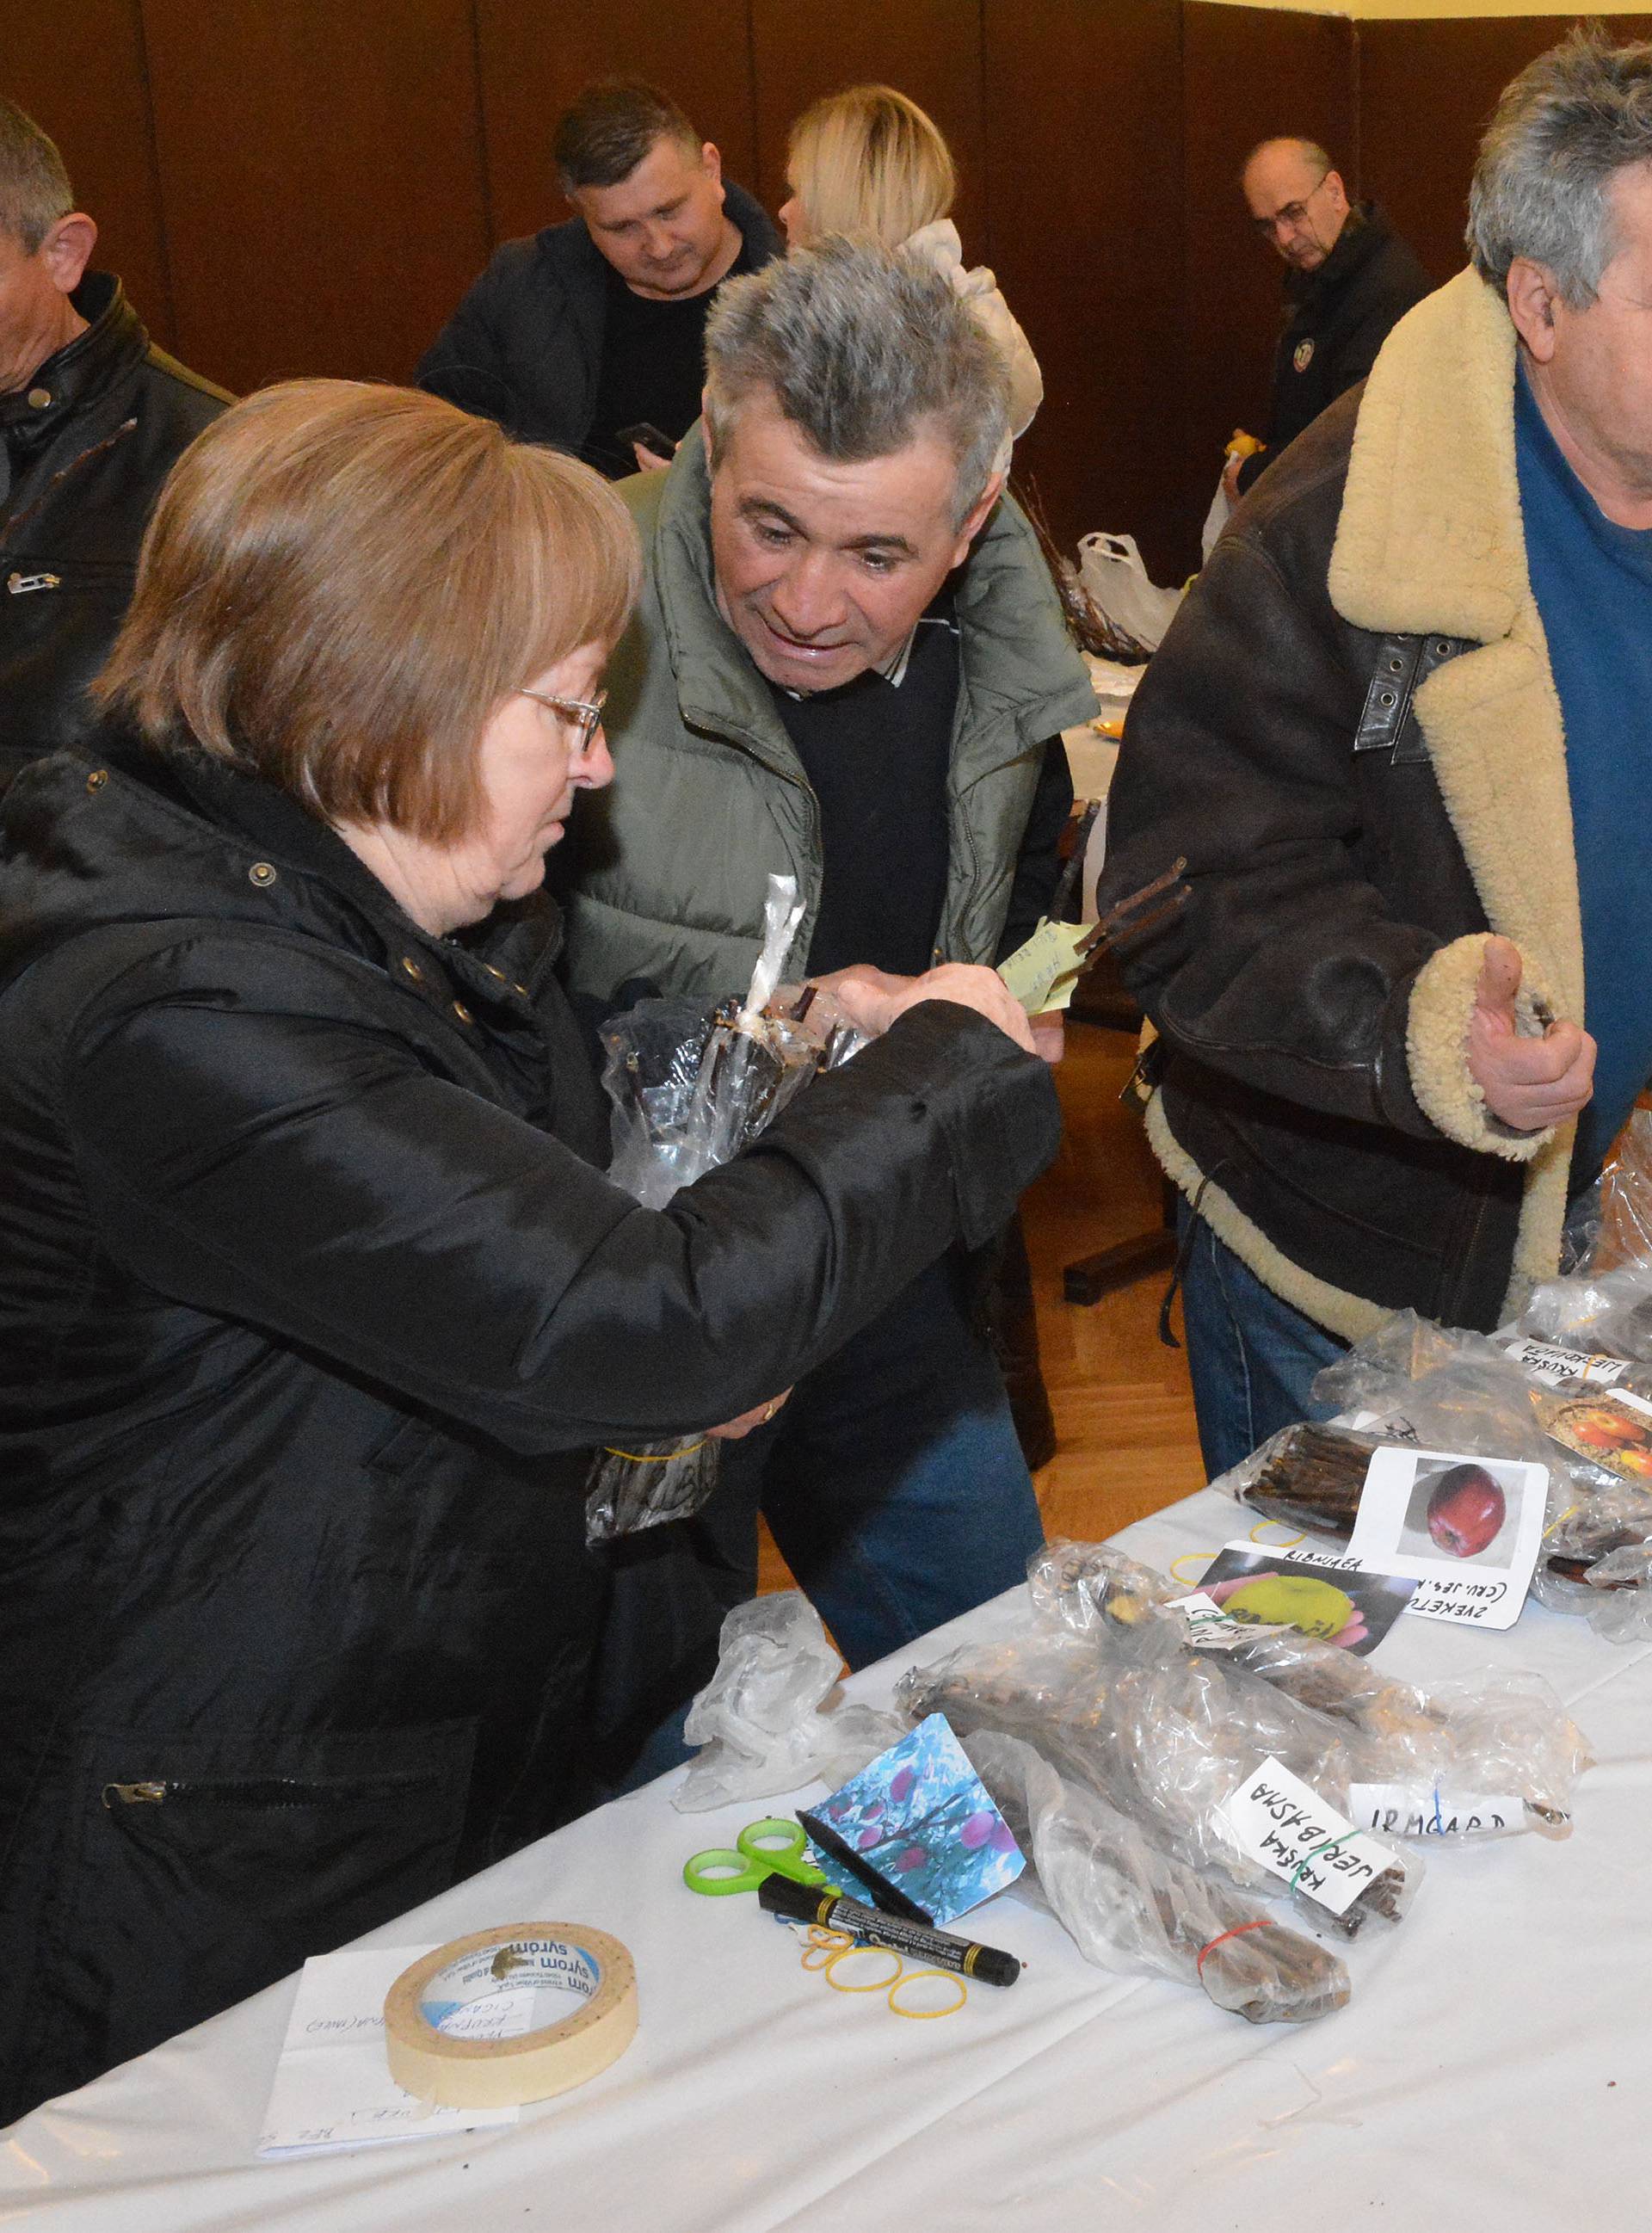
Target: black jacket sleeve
(1286, 972)
(1037, 867)
(468, 363)
(313, 1179)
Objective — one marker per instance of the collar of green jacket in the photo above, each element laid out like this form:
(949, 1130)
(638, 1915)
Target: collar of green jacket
(1021, 680)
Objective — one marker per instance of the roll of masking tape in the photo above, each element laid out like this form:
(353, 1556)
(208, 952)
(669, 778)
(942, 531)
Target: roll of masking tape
(459, 2026)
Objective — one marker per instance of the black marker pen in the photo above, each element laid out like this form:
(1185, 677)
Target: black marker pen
(801, 1903)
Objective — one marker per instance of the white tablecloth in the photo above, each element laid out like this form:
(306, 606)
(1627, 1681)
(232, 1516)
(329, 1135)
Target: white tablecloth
(1492, 2070)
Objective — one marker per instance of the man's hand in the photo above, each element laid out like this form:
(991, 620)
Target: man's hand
(1529, 1083)
(734, 1430)
(649, 461)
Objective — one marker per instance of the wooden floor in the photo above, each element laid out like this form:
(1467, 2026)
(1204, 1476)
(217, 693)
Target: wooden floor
(1124, 1415)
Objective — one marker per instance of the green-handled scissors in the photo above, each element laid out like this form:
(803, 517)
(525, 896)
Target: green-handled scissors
(770, 1847)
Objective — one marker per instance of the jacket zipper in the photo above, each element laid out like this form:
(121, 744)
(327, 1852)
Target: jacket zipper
(268, 1792)
(21, 584)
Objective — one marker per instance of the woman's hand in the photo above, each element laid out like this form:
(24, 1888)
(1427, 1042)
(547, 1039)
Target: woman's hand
(872, 999)
(734, 1430)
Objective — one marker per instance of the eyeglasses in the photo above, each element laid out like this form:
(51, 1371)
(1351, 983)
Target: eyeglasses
(1291, 215)
(587, 713)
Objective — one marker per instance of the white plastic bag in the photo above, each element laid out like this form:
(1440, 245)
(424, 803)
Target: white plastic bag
(1221, 510)
(1110, 568)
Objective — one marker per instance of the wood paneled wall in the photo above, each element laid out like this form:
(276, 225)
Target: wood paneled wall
(309, 186)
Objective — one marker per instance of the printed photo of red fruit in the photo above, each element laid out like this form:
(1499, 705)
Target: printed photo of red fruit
(1466, 1511)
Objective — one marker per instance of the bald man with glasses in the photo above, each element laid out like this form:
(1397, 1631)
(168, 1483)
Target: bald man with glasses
(1351, 279)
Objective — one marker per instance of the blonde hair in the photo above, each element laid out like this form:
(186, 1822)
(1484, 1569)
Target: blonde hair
(340, 584)
(869, 161)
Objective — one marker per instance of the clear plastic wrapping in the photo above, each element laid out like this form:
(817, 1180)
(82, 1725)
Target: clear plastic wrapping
(689, 1089)
(1127, 1905)
(761, 1721)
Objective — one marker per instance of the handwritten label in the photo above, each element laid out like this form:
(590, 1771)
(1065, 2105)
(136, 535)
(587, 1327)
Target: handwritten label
(1401, 1528)
(1209, 1629)
(1289, 1829)
(1399, 1810)
(1547, 1361)
(1043, 973)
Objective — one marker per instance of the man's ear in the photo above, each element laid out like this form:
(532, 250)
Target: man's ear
(67, 250)
(977, 518)
(1531, 297)
(1339, 194)
(711, 163)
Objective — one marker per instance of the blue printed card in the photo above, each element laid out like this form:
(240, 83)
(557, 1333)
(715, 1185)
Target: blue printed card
(920, 1816)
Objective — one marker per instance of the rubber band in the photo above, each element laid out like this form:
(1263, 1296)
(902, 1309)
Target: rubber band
(822, 1945)
(1289, 1542)
(1205, 1555)
(1324, 1848)
(1238, 1931)
(928, 2015)
(653, 1458)
(847, 1953)
(1561, 1522)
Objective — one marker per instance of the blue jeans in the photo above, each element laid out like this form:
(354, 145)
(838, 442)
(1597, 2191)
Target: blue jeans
(1250, 1356)
(893, 1480)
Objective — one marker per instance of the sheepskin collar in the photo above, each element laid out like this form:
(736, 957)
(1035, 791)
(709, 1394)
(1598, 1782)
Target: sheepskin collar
(1430, 533)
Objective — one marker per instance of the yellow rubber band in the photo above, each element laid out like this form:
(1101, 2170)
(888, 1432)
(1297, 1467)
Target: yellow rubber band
(1561, 1522)
(655, 1457)
(847, 1953)
(928, 2015)
(1205, 1555)
(1286, 1546)
(824, 1944)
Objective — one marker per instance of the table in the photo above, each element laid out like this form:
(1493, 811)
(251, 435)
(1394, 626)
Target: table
(1493, 2068)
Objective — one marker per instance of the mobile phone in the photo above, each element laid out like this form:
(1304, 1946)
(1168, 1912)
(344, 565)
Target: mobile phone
(649, 436)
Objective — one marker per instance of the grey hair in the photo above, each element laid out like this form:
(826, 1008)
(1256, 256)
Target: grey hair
(860, 344)
(1561, 132)
(35, 190)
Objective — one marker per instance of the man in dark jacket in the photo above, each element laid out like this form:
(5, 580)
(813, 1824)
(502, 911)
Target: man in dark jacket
(597, 326)
(1397, 729)
(1351, 280)
(91, 419)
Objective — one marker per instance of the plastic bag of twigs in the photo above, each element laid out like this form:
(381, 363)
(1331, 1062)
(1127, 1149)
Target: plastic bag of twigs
(691, 1088)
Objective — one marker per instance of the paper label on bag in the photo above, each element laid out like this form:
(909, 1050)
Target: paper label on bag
(1287, 1828)
(1043, 973)
(1400, 1810)
(1468, 1527)
(1212, 1630)
(1547, 1361)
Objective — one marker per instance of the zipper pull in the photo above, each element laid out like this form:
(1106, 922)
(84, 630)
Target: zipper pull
(20, 584)
(134, 1794)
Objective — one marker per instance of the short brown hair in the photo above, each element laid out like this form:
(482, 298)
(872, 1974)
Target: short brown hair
(341, 583)
(610, 129)
(35, 190)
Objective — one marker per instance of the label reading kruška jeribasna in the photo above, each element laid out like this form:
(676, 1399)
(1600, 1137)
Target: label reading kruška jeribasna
(1280, 1822)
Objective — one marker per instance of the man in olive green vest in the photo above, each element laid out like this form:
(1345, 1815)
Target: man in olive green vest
(848, 666)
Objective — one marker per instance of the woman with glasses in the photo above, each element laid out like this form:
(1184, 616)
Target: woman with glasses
(314, 1300)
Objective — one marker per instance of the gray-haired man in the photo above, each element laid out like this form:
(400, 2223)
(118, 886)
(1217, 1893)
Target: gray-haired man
(91, 419)
(1399, 729)
(848, 664)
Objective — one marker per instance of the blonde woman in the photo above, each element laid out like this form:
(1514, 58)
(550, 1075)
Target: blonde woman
(868, 160)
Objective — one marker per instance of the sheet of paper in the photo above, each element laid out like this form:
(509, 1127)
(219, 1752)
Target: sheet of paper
(1468, 1527)
(1287, 1826)
(1548, 1361)
(1043, 973)
(332, 2087)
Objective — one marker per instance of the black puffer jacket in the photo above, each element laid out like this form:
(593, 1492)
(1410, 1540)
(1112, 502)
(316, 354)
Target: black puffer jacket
(86, 444)
(312, 1303)
(1336, 320)
(525, 345)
